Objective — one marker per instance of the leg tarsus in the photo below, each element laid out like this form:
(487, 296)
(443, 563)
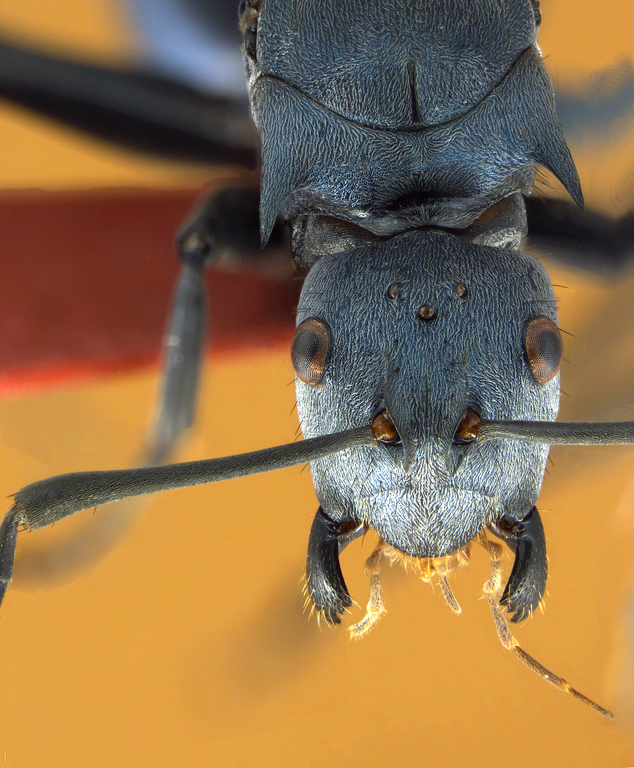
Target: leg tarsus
(492, 591)
(559, 682)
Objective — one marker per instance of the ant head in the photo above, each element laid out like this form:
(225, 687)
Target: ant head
(420, 328)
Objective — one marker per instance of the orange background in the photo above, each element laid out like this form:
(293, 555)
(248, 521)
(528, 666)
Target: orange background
(187, 644)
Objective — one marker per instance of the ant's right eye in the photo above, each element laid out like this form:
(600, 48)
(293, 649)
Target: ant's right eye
(543, 348)
(310, 350)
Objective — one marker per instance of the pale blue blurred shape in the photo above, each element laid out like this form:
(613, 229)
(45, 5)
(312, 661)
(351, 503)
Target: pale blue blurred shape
(600, 108)
(195, 43)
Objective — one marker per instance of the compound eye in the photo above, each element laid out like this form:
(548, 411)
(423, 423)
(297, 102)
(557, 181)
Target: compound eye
(310, 350)
(543, 347)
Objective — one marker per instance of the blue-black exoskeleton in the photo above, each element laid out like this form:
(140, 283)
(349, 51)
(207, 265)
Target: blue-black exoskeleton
(428, 326)
(398, 142)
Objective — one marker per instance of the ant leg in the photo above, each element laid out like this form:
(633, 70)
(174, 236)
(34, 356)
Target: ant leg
(325, 585)
(130, 107)
(582, 238)
(224, 224)
(492, 590)
(184, 338)
(206, 234)
(375, 608)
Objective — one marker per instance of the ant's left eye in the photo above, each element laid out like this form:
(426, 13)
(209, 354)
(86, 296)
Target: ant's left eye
(310, 350)
(543, 347)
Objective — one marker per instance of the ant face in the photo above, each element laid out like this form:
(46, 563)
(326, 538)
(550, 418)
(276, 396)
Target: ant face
(415, 327)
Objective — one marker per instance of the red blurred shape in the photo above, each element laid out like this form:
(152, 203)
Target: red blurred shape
(86, 281)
